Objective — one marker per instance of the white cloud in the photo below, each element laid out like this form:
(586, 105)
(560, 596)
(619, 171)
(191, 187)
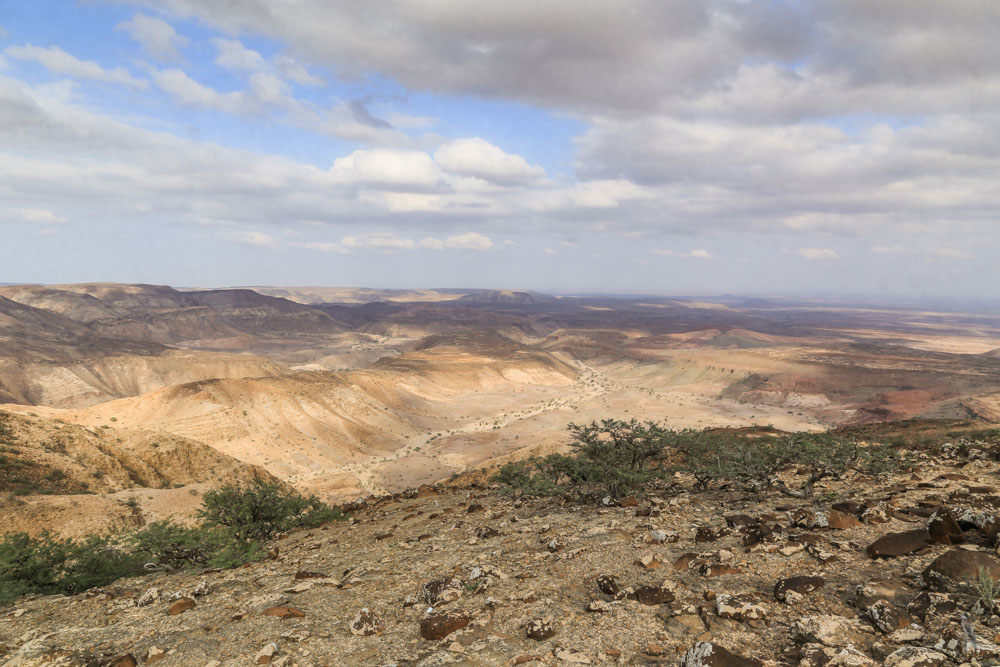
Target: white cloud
(58, 61)
(156, 36)
(551, 251)
(398, 119)
(39, 216)
(231, 54)
(390, 169)
(697, 253)
(745, 61)
(389, 242)
(818, 253)
(481, 159)
(468, 241)
(189, 92)
(234, 55)
(254, 238)
(293, 71)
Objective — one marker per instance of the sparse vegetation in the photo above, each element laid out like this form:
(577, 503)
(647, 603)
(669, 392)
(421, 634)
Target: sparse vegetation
(620, 458)
(236, 520)
(261, 510)
(987, 589)
(754, 463)
(611, 457)
(46, 564)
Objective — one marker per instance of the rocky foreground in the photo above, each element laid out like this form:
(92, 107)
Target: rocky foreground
(868, 571)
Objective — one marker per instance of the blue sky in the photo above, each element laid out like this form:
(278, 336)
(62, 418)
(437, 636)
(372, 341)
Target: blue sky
(676, 148)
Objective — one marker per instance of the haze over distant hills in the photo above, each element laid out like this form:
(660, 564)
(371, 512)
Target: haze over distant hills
(349, 391)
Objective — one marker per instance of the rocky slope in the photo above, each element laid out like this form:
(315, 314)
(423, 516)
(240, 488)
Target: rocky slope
(870, 571)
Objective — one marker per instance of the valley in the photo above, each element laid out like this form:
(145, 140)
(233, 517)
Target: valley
(343, 397)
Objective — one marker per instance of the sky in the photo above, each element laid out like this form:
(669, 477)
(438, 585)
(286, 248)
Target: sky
(832, 147)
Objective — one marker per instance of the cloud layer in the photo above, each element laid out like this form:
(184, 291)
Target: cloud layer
(849, 130)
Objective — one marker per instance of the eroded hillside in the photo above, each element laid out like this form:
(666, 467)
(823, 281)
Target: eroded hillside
(74, 480)
(346, 397)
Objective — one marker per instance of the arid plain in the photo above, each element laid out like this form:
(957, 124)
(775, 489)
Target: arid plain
(147, 395)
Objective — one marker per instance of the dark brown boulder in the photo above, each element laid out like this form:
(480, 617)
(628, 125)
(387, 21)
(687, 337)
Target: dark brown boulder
(888, 617)
(705, 534)
(849, 507)
(943, 528)
(899, 544)
(653, 595)
(441, 591)
(606, 584)
(801, 584)
(181, 606)
(441, 624)
(736, 520)
(931, 604)
(688, 561)
(540, 630)
(841, 520)
(754, 534)
(959, 565)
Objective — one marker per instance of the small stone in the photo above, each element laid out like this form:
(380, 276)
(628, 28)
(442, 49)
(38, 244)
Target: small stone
(367, 623)
(154, 654)
(181, 606)
(648, 561)
(798, 585)
(306, 574)
(149, 597)
(265, 655)
(710, 654)
(717, 570)
(283, 611)
(741, 607)
(599, 606)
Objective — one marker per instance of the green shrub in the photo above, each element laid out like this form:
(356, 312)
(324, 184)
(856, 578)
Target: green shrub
(261, 510)
(180, 547)
(48, 565)
(754, 462)
(611, 457)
